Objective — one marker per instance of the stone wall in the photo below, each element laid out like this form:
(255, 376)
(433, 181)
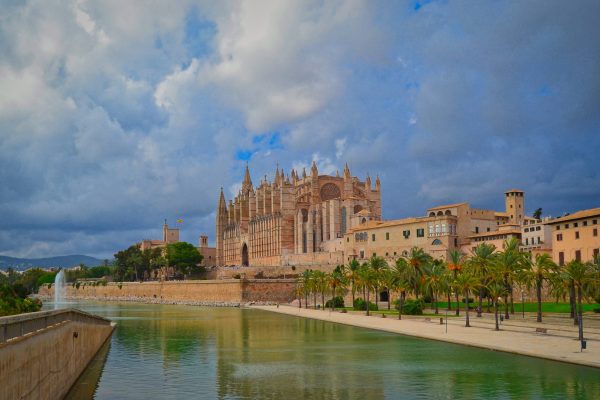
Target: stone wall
(232, 291)
(45, 364)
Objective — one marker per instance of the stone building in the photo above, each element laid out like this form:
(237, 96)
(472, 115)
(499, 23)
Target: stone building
(576, 237)
(170, 235)
(297, 219)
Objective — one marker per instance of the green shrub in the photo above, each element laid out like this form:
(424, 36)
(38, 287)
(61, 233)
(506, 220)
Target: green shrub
(120, 285)
(77, 285)
(471, 300)
(338, 302)
(360, 305)
(104, 282)
(413, 307)
(596, 310)
(427, 299)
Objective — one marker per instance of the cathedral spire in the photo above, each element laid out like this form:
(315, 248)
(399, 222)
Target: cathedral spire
(303, 173)
(368, 182)
(377, 183)
(222, 203)
(314, 172)
(247, 184)
(347, 172)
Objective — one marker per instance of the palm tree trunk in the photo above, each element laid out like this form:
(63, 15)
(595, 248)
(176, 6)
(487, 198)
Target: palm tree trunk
(512, 302)
(506, 316)
(315, 299)
(401, 304)
(368, 292)
(299, 301)
(573, 301)
(579, 313)
(389, 292)
(353, 291)
(306, 300)
(435, 301)
(333, 298)
(467, 308)
(449, 302)
(323, 300)
(538, 292)
(496, 314)
(480, 308)
(457, 305)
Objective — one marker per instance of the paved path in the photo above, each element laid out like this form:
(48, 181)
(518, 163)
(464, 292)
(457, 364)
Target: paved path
(520, 338)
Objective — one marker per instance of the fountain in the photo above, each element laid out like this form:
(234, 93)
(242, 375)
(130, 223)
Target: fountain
(59, 289)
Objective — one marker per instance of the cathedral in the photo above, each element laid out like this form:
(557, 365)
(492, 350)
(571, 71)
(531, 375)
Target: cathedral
(294, 220)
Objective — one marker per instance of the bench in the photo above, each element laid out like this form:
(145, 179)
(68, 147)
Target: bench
(541, 330)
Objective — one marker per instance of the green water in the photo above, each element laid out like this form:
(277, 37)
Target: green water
(181, 352)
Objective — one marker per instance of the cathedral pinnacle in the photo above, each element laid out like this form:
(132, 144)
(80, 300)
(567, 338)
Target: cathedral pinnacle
(247, 184)
(313, 169)
(346, 172)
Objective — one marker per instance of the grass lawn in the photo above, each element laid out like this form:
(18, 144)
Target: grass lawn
(529, 307)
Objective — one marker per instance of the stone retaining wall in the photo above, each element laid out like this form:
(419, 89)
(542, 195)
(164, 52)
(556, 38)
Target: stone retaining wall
(231, 291)
(44, 364)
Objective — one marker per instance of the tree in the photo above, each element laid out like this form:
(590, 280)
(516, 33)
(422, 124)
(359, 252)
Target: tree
(366, 280)
(434, 273)
(455, 266)
(508, 262)
(416, 259)
(537, 214)
(388, 279)
(377, 265)
(352, 271)
(184, 257)
(496, 290)
(402, 283)
(582, 276)
(480, 263)
(466, 283)
(337, 281)
(540, 268)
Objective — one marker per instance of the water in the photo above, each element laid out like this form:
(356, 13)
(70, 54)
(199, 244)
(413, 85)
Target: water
(178, 352)
(59, 289)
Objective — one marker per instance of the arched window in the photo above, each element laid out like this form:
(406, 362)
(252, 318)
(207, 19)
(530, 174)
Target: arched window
(364, 220)
(436, 242)
(330, 191)
(448, 212)
(440, 213)
(432, 214)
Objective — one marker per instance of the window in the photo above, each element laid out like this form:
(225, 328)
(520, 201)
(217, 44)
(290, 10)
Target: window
(526, 229)
(373, 237)
(443, 228)
(577, 235)
(437, 228)
(488, 229)
(584, 223)
(526, 241)
(578, 255)
(362, 254)
(575, 225)
(455, 242)
(538, 228)
(436, 242)
(558, 227)
(430, 229)
(595, 232)
(406, 234)
(596, 252)
(559, 237)
(420, 232)
(561, 258)
(394, 253)
(566, 226)
(374, 254)
(348, 239)
(387, 237)
(594, 221)
(476, 229)
(386, 254)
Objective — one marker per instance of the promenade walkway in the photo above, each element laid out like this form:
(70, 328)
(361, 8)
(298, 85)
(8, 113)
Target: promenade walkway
(517, 335)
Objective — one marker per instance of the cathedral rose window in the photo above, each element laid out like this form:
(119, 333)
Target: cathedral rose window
(330, 191)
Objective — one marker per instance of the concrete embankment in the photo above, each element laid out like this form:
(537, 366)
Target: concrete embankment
(527, 342)
(42, 354)
(210, 292)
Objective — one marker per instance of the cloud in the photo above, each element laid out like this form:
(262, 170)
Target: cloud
(116, 115)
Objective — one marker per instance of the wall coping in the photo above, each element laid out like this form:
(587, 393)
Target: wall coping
(13, 326)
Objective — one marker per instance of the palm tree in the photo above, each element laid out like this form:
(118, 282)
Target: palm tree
(466, 282)
(496, 290)
(351, 272)
(539, 269)
(377, 265)
(434, 273)
(388, 279)
(480, 262)
(583, 277)
(305, 281)
(402, 283)
(337, 280)
(416, 259)
(508, 262)
(455, 265)
(321, 285)
(366, 279)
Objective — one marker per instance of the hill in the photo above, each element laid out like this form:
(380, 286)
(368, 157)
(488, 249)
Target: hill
(21, 264)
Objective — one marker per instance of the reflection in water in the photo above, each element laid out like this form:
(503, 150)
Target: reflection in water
(174, 352)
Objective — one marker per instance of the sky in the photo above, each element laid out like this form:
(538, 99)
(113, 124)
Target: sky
(116, 115)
